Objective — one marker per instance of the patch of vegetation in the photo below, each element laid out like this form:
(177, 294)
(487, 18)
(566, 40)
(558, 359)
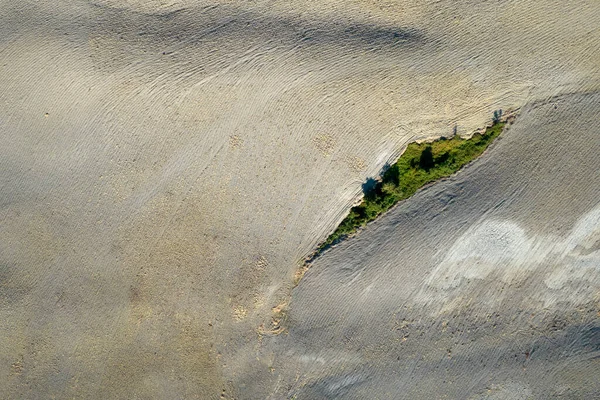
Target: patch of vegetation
(419, 165)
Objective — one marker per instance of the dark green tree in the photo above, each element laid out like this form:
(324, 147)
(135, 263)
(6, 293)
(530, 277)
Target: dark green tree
(497, 116)
(426, 160)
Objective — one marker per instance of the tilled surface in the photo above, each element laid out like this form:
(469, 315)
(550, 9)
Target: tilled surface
(166, 166)
(485, 285)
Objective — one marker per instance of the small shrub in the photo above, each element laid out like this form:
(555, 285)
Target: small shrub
(388, 188)
(497, 116)
(442, 158)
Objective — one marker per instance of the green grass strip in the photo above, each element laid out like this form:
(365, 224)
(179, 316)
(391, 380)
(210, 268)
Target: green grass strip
(419, 165)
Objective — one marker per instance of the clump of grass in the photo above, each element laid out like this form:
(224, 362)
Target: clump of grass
(419, 165)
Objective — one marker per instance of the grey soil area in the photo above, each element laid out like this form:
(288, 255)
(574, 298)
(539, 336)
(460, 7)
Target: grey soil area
(484, 286)
(167, 165)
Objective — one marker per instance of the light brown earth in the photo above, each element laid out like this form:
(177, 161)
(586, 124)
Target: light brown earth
(166, 166)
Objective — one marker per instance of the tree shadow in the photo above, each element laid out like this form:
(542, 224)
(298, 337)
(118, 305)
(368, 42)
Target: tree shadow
(369, 188)
(373, 187)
